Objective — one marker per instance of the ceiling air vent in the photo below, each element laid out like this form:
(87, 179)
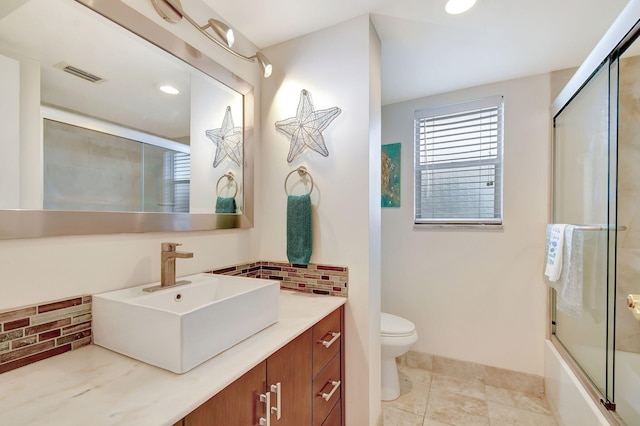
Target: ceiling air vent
(79, 72)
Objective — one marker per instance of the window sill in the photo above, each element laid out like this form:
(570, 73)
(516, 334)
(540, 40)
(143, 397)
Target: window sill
(458, 226)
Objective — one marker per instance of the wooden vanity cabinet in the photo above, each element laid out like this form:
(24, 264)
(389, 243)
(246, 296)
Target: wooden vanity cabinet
(305, 368)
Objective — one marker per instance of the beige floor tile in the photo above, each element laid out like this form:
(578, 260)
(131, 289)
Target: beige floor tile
(472, 388)
(460, 369)
(521, 382)
(457, 409)
(413, 398)
(431, 422)
(417, 360)
(394, 417)
(501, 415)
(456, 396)
(415, 375)
(517, 400)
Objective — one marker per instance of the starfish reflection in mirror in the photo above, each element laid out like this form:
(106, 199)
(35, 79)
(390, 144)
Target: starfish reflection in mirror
(305, 129)
(228, 140)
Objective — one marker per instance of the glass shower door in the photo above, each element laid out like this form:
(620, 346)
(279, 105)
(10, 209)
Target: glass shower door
(625, 71)
(582, 198)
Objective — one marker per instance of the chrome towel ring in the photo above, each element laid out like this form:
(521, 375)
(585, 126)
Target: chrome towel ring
(230, 178)
(302, 171)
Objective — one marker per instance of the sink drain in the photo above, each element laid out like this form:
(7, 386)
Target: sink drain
(177, 297)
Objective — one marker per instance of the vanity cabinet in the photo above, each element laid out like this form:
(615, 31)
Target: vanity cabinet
(301, 383)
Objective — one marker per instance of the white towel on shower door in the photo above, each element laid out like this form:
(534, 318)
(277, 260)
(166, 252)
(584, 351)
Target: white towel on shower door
(555, 249)
(569, 285)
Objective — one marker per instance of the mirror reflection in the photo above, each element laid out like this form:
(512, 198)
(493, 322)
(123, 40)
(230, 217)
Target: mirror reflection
(105, 133)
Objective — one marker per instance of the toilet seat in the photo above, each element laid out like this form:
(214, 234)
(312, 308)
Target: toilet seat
(394, 326)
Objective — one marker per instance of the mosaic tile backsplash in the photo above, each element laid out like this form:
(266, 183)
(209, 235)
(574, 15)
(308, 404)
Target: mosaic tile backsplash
(37, 332)
(312, 278)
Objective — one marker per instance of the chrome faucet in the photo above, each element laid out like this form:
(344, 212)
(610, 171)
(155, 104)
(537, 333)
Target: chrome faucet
(168, 258)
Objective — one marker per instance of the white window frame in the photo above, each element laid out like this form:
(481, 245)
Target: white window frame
(426, 166)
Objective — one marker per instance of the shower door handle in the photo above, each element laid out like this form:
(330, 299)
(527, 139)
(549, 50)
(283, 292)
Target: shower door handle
(633, 303)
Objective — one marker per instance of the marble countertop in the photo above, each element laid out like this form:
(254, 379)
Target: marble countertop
(96, 386)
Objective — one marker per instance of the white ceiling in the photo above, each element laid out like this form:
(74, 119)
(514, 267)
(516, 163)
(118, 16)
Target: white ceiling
(425, 51)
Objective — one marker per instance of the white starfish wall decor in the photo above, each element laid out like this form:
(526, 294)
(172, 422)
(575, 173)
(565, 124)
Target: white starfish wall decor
(228, 140)
(305, 129)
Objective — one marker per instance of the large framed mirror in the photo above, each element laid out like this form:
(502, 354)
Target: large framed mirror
(90, 142)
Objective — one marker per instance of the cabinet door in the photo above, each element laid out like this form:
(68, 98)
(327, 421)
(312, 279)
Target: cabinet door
(291, 367)
(236, 405)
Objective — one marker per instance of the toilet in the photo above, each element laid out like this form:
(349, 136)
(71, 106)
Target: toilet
(398, 335)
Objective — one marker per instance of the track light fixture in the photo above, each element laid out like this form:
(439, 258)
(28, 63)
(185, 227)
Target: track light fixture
(222, 30)
(171, 11)
(264, 64)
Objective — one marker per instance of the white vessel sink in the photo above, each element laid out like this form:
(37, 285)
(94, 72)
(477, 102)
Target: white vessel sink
(180, 327)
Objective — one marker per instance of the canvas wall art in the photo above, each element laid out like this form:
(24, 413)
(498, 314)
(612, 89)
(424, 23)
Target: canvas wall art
(391, 175)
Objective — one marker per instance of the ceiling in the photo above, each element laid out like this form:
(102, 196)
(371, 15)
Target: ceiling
(425, 51)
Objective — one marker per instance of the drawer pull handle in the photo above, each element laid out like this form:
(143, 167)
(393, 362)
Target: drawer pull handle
(266, 398)
(277, 410)
(335, 336)
(327, 396)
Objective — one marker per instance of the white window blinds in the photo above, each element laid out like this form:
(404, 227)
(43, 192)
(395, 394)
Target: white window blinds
(458, 163)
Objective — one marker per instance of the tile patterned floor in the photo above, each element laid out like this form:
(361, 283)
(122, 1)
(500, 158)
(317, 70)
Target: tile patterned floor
(433, 399)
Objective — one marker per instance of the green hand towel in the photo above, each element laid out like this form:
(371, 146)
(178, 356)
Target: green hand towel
(299, 229)
(226, 205)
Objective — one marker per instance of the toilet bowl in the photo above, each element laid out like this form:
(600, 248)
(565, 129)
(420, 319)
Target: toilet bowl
(397, 336)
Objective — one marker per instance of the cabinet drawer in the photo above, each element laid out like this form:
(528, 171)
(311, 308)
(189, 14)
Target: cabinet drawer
(328, 382)
(324, 332)
(335, 417)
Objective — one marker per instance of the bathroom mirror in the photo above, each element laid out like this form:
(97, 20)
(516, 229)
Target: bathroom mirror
(90, 145)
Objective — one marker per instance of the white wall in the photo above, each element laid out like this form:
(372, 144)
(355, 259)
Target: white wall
(476, 295)
(339, 66)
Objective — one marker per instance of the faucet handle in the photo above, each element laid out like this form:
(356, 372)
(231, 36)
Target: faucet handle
(170, 246)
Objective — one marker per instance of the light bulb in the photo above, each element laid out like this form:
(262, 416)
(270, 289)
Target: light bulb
(455, 7)
(167, 88)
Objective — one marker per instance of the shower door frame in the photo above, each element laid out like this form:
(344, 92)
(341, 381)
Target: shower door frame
(620, 34)
(606, 406)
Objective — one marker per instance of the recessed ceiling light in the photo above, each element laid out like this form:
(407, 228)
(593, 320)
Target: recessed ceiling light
(455, 7)
(167, 88)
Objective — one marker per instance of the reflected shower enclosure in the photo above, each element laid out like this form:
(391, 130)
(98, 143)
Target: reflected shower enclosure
(93, 171)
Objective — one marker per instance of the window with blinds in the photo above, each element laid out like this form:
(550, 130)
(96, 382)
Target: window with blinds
(458, 163)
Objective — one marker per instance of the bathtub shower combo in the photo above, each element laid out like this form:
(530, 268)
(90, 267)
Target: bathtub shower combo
(596, 188)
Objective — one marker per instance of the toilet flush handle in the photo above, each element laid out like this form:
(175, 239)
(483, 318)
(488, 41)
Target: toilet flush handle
(326, 344)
